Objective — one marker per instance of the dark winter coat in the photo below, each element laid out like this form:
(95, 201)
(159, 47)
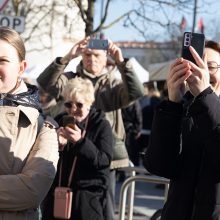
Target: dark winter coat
(132, 118)
(185, 147)
(91, 174)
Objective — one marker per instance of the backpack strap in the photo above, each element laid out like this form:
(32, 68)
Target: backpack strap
(46, 121)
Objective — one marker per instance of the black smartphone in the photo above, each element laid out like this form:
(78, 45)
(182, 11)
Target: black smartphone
(98, 44)
(197, 41)
(68, 121)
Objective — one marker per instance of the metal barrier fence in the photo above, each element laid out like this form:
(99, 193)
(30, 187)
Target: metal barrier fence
(131, 182)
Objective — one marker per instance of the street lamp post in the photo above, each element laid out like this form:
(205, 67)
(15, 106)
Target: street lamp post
(194, 15)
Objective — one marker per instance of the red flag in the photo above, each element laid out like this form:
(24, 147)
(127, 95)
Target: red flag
(201, 25)
(183, 23)
(102, 36)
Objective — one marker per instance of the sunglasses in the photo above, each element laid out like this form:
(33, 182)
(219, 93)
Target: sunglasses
(78, 105)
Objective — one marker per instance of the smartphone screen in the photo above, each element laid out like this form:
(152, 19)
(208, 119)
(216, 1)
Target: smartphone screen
(197, 41)
(98, 44)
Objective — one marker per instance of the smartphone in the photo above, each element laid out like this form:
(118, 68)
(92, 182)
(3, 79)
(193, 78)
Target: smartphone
(197, 41)
(69, 121)
(98, 44)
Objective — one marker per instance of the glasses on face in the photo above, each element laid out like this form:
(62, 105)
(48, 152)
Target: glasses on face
(213, 67)
(69, 105)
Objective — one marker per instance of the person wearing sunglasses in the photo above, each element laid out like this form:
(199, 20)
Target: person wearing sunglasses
(88, 140)
(185, 138)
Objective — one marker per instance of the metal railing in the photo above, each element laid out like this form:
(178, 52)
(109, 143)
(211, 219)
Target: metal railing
(131, 182)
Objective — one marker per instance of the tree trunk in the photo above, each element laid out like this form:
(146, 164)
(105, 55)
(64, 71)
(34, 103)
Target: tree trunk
(90, 17)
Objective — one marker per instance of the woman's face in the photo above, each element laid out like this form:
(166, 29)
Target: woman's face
(213, 57)
(78, 108)
(10, 67)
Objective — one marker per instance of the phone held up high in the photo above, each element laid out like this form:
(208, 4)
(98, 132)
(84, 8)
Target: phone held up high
(98, 44)
(197, 41)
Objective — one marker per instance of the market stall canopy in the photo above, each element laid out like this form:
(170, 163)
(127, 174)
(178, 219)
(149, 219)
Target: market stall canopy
(141, 72)
(159, 71)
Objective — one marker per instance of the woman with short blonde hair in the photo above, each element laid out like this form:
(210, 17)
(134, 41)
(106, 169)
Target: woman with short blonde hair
(80, 87)
(85, 137)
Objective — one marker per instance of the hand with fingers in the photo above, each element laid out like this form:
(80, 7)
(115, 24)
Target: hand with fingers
(73, 135)
(176, 80)
(199, 78)
(115, 52)
(77, 50)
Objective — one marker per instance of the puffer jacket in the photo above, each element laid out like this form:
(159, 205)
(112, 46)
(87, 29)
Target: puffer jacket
(111, 94)
(185, 147)
(28, 155)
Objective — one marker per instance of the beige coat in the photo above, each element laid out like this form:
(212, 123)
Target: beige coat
(27, 164)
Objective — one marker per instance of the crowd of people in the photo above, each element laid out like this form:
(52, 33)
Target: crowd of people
(63, 140)
(111, 95)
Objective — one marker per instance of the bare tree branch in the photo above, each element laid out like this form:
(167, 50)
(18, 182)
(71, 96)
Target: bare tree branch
(81, 9)
(102, 27)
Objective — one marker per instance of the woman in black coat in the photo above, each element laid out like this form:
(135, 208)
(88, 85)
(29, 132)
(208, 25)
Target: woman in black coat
(87, 138)
(185, 139)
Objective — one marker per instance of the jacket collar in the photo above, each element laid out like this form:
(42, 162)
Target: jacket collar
(108, 69)
(26, 98)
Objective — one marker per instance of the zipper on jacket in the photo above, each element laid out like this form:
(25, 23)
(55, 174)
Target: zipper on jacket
(188, 107)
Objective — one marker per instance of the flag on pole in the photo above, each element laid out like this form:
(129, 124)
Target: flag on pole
(201, 25)
(183, 23)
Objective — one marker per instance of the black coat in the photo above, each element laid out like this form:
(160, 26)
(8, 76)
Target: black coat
(185, 147)
(132, 118)
(91, 174)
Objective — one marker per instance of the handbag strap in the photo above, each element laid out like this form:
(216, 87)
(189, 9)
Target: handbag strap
(74, 161)
(71, 173)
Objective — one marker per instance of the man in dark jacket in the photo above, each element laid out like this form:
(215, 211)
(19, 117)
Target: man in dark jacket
(185, 138)
(132, 118)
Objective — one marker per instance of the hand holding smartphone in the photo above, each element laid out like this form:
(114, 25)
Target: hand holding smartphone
(197, 41)
(68, 121)
(71, 122)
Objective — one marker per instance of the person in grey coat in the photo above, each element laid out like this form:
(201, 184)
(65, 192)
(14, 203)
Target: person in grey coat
(185, 138)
